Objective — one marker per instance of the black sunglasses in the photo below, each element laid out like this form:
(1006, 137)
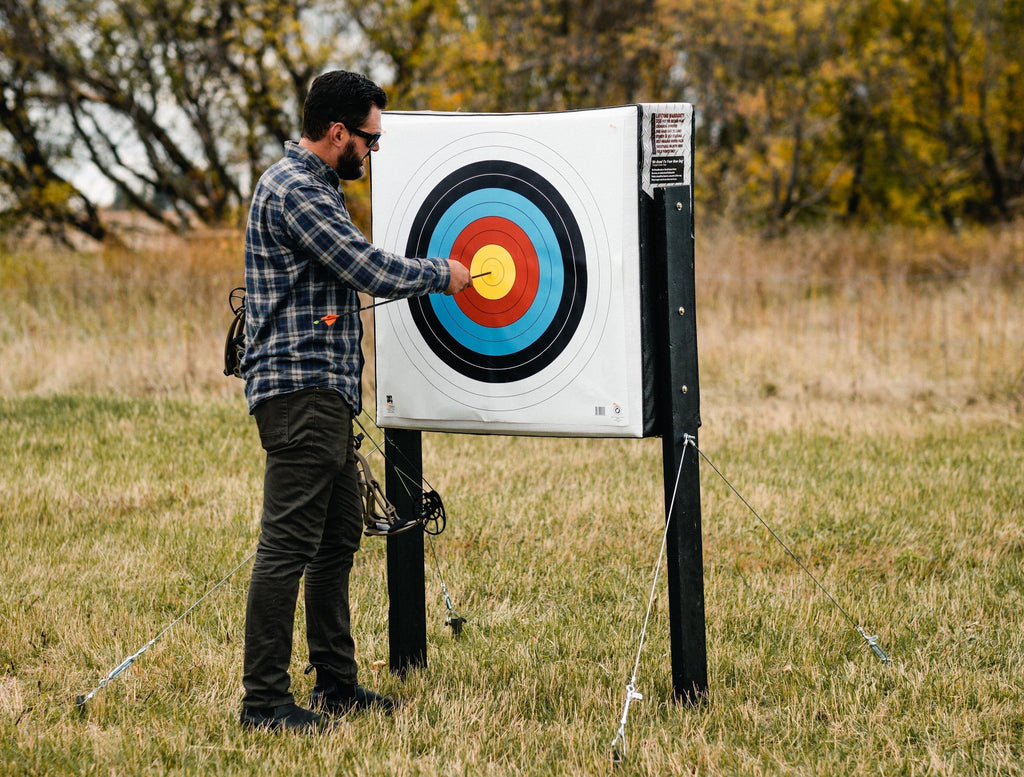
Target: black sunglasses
(371, 138)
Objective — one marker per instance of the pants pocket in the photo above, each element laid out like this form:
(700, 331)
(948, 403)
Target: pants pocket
(272, 421)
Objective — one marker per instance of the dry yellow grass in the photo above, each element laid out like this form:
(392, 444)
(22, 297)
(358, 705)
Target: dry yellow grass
(842, 324)
(832, 324)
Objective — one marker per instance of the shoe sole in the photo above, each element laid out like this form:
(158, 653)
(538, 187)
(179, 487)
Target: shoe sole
(277, 728)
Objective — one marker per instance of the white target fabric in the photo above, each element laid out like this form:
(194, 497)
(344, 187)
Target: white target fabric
(547, 204)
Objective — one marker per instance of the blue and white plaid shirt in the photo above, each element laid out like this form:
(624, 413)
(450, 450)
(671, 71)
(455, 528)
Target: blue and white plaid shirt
(304, 262)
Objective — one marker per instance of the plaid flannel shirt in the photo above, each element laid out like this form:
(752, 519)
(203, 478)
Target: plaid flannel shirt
(304, 262)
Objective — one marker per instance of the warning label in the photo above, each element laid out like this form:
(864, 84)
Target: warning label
(670, 136)
(667, 143)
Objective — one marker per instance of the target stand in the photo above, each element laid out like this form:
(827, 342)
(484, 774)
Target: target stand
(582, 323)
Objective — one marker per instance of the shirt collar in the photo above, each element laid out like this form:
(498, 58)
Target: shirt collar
(315, 164)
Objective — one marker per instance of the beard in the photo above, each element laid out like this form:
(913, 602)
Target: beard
(350, 165)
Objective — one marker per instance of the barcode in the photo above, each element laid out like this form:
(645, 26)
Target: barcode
(599, 410)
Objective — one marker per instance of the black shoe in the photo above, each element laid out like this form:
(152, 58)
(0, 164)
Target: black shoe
(381, 528)
(342, 699)
(287, 717)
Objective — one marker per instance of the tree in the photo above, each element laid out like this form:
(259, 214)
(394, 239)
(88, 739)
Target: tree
(171, 100)
(560, 54)
(865, 110)
(891, 110)
(32, 186)
(962, 126)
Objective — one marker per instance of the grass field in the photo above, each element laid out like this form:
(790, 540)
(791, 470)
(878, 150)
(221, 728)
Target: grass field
(862, 391)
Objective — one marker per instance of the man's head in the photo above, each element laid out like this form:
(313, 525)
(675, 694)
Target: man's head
(339, 96)
(341, 118)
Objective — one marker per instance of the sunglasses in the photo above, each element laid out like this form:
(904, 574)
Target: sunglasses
(371, 138)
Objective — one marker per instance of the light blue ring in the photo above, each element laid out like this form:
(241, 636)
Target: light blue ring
(522, 333)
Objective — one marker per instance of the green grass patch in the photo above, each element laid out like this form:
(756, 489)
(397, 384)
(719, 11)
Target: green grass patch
(117, 514)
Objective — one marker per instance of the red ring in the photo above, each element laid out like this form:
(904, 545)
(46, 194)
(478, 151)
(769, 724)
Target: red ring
(495, 230)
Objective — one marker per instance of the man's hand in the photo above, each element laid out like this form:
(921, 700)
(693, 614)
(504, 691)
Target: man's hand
(460, 278)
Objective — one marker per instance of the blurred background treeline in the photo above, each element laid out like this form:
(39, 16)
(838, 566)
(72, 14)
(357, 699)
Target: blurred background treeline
(851, 112)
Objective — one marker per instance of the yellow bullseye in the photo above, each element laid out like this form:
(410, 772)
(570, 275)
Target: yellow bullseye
(498, 262)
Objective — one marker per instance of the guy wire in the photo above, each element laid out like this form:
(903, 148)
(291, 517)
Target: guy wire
(779, 540)
(618, 745)
(81, 700)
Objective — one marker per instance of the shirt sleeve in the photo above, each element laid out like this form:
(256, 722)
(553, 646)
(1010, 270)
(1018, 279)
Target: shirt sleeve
(321, 226)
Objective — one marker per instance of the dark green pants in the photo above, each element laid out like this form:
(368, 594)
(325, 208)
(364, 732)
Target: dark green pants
(312, 525)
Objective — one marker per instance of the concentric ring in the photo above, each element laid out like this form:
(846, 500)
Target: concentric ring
(501, 249)
(502, 208)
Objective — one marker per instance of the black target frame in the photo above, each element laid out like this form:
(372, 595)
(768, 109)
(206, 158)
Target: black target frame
(672, 411)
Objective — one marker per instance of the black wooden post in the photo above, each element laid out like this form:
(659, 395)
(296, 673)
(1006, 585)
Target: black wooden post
(407, 610)
(680, 413)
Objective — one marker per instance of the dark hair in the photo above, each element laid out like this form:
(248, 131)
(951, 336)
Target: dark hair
(339, 96)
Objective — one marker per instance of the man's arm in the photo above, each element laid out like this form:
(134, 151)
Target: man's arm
(322, 227)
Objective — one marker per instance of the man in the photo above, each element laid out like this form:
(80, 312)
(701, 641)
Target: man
(304, 262)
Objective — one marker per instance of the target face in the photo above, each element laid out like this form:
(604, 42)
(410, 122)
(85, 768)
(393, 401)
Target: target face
(512, 228)
(544, 209)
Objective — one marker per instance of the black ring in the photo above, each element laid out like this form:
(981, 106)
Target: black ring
(552, 342)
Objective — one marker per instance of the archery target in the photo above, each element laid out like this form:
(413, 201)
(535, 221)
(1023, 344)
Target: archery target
(543, 208)
(510, 226)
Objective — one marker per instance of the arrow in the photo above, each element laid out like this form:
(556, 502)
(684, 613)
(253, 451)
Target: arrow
(389, 301)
